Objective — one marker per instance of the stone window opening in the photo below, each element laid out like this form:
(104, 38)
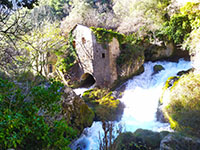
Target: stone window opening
(83, 40)
(103, 55)
(50, 68)
(74, 44)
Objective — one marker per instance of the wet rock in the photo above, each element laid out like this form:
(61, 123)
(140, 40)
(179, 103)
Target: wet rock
(179, 142)
(180, 73)
(157, 68)
(104, 103)
(160, 115)
(75, 110)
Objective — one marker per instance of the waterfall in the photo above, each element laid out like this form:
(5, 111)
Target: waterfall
(141, 98)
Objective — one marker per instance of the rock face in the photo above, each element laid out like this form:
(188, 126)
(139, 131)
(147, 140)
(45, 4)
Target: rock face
(130, 67)
(75, 111)
(178, 142)
(105, 105)
(156, 52)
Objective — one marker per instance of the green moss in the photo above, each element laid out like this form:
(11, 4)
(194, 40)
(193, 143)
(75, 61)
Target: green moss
(183, 111)
(169, 83)
(87, 115)
(105, 36)
(105, 106)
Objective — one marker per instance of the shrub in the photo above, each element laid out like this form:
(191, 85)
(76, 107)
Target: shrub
(184, 107)
(22, 118)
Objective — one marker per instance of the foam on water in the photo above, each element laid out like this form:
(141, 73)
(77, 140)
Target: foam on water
(141, 98)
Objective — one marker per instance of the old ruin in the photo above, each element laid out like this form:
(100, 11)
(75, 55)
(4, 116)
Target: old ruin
(95, 60)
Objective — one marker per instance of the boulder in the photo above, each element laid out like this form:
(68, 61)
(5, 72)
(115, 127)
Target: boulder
(157, 68)
(131, 67)
(151, 139)
(179, 142)
(75, 110)
(104, 103)
(141, 139)
(127, 141)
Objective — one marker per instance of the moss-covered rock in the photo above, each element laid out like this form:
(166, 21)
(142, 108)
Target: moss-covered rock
(183, 110)
(139, 140)
(76, 111)
(179, 142)
(127, 141)
(150, 138)
(104, 104)
(157, 68)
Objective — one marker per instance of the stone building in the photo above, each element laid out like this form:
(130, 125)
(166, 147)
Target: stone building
(96, 60)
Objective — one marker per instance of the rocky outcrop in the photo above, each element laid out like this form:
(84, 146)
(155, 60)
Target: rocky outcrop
(104, 103)
(143, 139)
(75, 111)
(179, 142)
(130, 67)
(156, 52)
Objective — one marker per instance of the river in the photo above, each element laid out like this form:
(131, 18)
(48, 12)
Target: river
(141, 97)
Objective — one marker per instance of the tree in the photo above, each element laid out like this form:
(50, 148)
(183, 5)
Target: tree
(18, 3)
(42, 41)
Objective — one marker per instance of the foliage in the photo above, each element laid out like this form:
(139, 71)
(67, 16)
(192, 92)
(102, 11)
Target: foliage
(130, 48)
(41, 41)
(178, 28)
(61, 8)
(183, 108)
(20, 3)
(22, 120)
(104, 104)
(106, 36)
(140, 16)
(87, 13)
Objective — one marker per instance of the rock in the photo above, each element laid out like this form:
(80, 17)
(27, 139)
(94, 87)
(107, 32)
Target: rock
(151, 139)
(76, 111)
(157, 68)
(104, 103)
(180, 73)
(179, 142)
(131, 67)
(156, 52)
(142, 139)
(160, 115)
(127, 141)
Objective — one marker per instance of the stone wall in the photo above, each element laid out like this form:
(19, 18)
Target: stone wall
(95, 58)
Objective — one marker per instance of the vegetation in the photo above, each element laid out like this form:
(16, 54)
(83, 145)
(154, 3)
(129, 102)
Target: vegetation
(183, 109)
(23, 122)
(105, 106)
(32, 32)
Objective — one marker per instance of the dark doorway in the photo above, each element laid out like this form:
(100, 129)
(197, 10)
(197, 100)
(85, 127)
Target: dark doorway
(87, 80)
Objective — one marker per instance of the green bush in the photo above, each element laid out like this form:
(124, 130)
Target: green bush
(183, 110)
(22, 118)
(178, 28)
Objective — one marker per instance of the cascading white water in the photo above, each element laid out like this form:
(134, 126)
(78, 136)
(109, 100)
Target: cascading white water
(141, 98)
